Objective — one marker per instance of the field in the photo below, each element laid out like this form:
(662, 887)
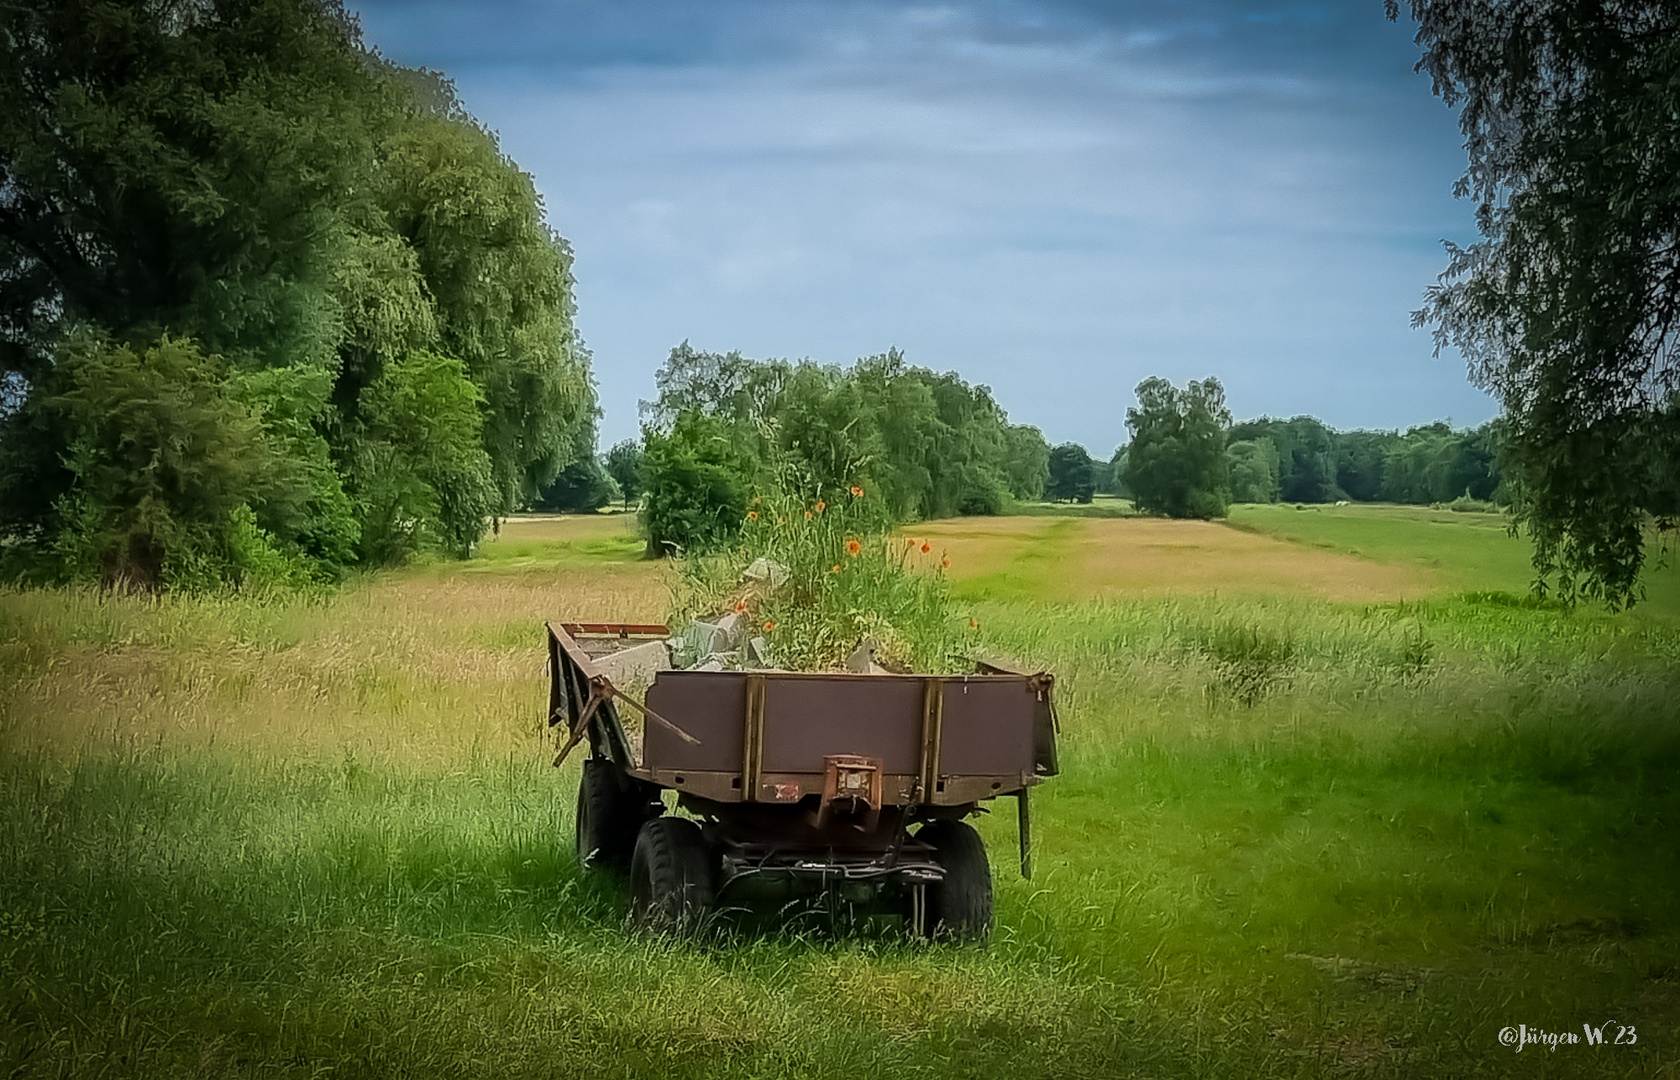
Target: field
(1337, 800)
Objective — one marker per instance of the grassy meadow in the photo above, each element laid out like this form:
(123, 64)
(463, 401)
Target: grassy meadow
(1337, 800)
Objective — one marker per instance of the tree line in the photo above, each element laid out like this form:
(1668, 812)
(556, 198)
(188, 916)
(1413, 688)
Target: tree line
(1186, 457)
(270, 305)
(724, 428)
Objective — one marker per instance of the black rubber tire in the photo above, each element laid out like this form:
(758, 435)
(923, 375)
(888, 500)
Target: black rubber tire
(959, 908)
(671, 883)
(611, 809)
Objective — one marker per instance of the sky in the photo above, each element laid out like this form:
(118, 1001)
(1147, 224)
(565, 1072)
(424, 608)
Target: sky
(1055, 198)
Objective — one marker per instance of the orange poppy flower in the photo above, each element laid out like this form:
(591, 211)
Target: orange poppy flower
(926, 547)
(821, 506)
(807, 515)
(769, 626)
(752, 515)
(740, 605)
(857, 492)
(974, 624)
(945, 562)
(835, 569)
(853, 547)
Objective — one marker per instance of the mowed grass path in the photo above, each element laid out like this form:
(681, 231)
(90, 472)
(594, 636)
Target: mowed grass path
(1320, 815)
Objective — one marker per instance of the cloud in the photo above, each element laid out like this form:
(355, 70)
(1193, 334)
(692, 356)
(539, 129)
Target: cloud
(1053, 198)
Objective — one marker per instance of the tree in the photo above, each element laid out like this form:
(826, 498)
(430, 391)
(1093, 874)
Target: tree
(162, 463)
(1027, 463)
(1117, 465)
(1071, 478)
(1359, 462)
(246, 178)
(695, 496)
(1175, 463)
(1253, 468)
(932, 445)
(1568, 307)
(624, 465)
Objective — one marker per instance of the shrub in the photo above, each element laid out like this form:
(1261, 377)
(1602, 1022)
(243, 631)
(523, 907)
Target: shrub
(846, 578)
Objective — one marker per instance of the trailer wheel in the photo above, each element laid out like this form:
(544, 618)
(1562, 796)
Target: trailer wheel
(608, 816)
(670, 876)
(959, 908)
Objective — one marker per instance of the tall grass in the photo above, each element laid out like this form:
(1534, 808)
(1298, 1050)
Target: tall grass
(318, 836)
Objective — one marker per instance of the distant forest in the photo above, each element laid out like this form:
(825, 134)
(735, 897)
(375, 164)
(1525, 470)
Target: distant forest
(724, 427)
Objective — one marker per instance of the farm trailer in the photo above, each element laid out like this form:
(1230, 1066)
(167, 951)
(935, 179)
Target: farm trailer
(797, 783)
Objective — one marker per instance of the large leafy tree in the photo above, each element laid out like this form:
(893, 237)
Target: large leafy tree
(1175, 463)
(1568, 307)
(246, 177)
(624, 464)
(1071, 476)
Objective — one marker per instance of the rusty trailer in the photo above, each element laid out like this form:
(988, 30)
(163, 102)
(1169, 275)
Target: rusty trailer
(797, 783)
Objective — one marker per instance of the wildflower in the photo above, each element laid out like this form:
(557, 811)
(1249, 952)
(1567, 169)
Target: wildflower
(835, 569)
(853, 547)
(781, 521)
(740, 605)
(821, 506)
(926, 547)
(769, 625)
(752, 515)
(945, 562)
(807, 515)
(974, 624)
(857, 492)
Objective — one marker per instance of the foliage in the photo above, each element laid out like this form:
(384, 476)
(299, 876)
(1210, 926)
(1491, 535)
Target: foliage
(1307, 456)
(1117, 466)
(584, 486)
(421, 476)
(930, 445)
(1176, 459)
(847, 578)
(1253, 468)
(1072, 477)
(1568, 308)
(162, 460)
(624, 464)
(246, 175)
(694, 494)
(1026, 462)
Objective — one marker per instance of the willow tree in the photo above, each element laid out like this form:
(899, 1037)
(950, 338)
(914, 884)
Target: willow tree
(373, 279)
(1568, 307)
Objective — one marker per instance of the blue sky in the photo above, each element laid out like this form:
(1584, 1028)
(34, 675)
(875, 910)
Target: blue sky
(1056, 198)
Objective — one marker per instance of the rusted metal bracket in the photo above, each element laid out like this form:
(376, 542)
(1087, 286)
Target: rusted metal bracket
(601, 691)
(854, 779)
(752, 740)
(933, 718)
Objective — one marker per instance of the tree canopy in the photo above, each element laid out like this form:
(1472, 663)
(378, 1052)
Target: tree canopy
(1175, 463)
(1072, 474)
(924, 444)
(1566, 308)
(237, 207)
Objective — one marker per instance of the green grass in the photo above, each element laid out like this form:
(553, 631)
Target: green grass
(1291, 838)
(1473, 551)
(1100, 506)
